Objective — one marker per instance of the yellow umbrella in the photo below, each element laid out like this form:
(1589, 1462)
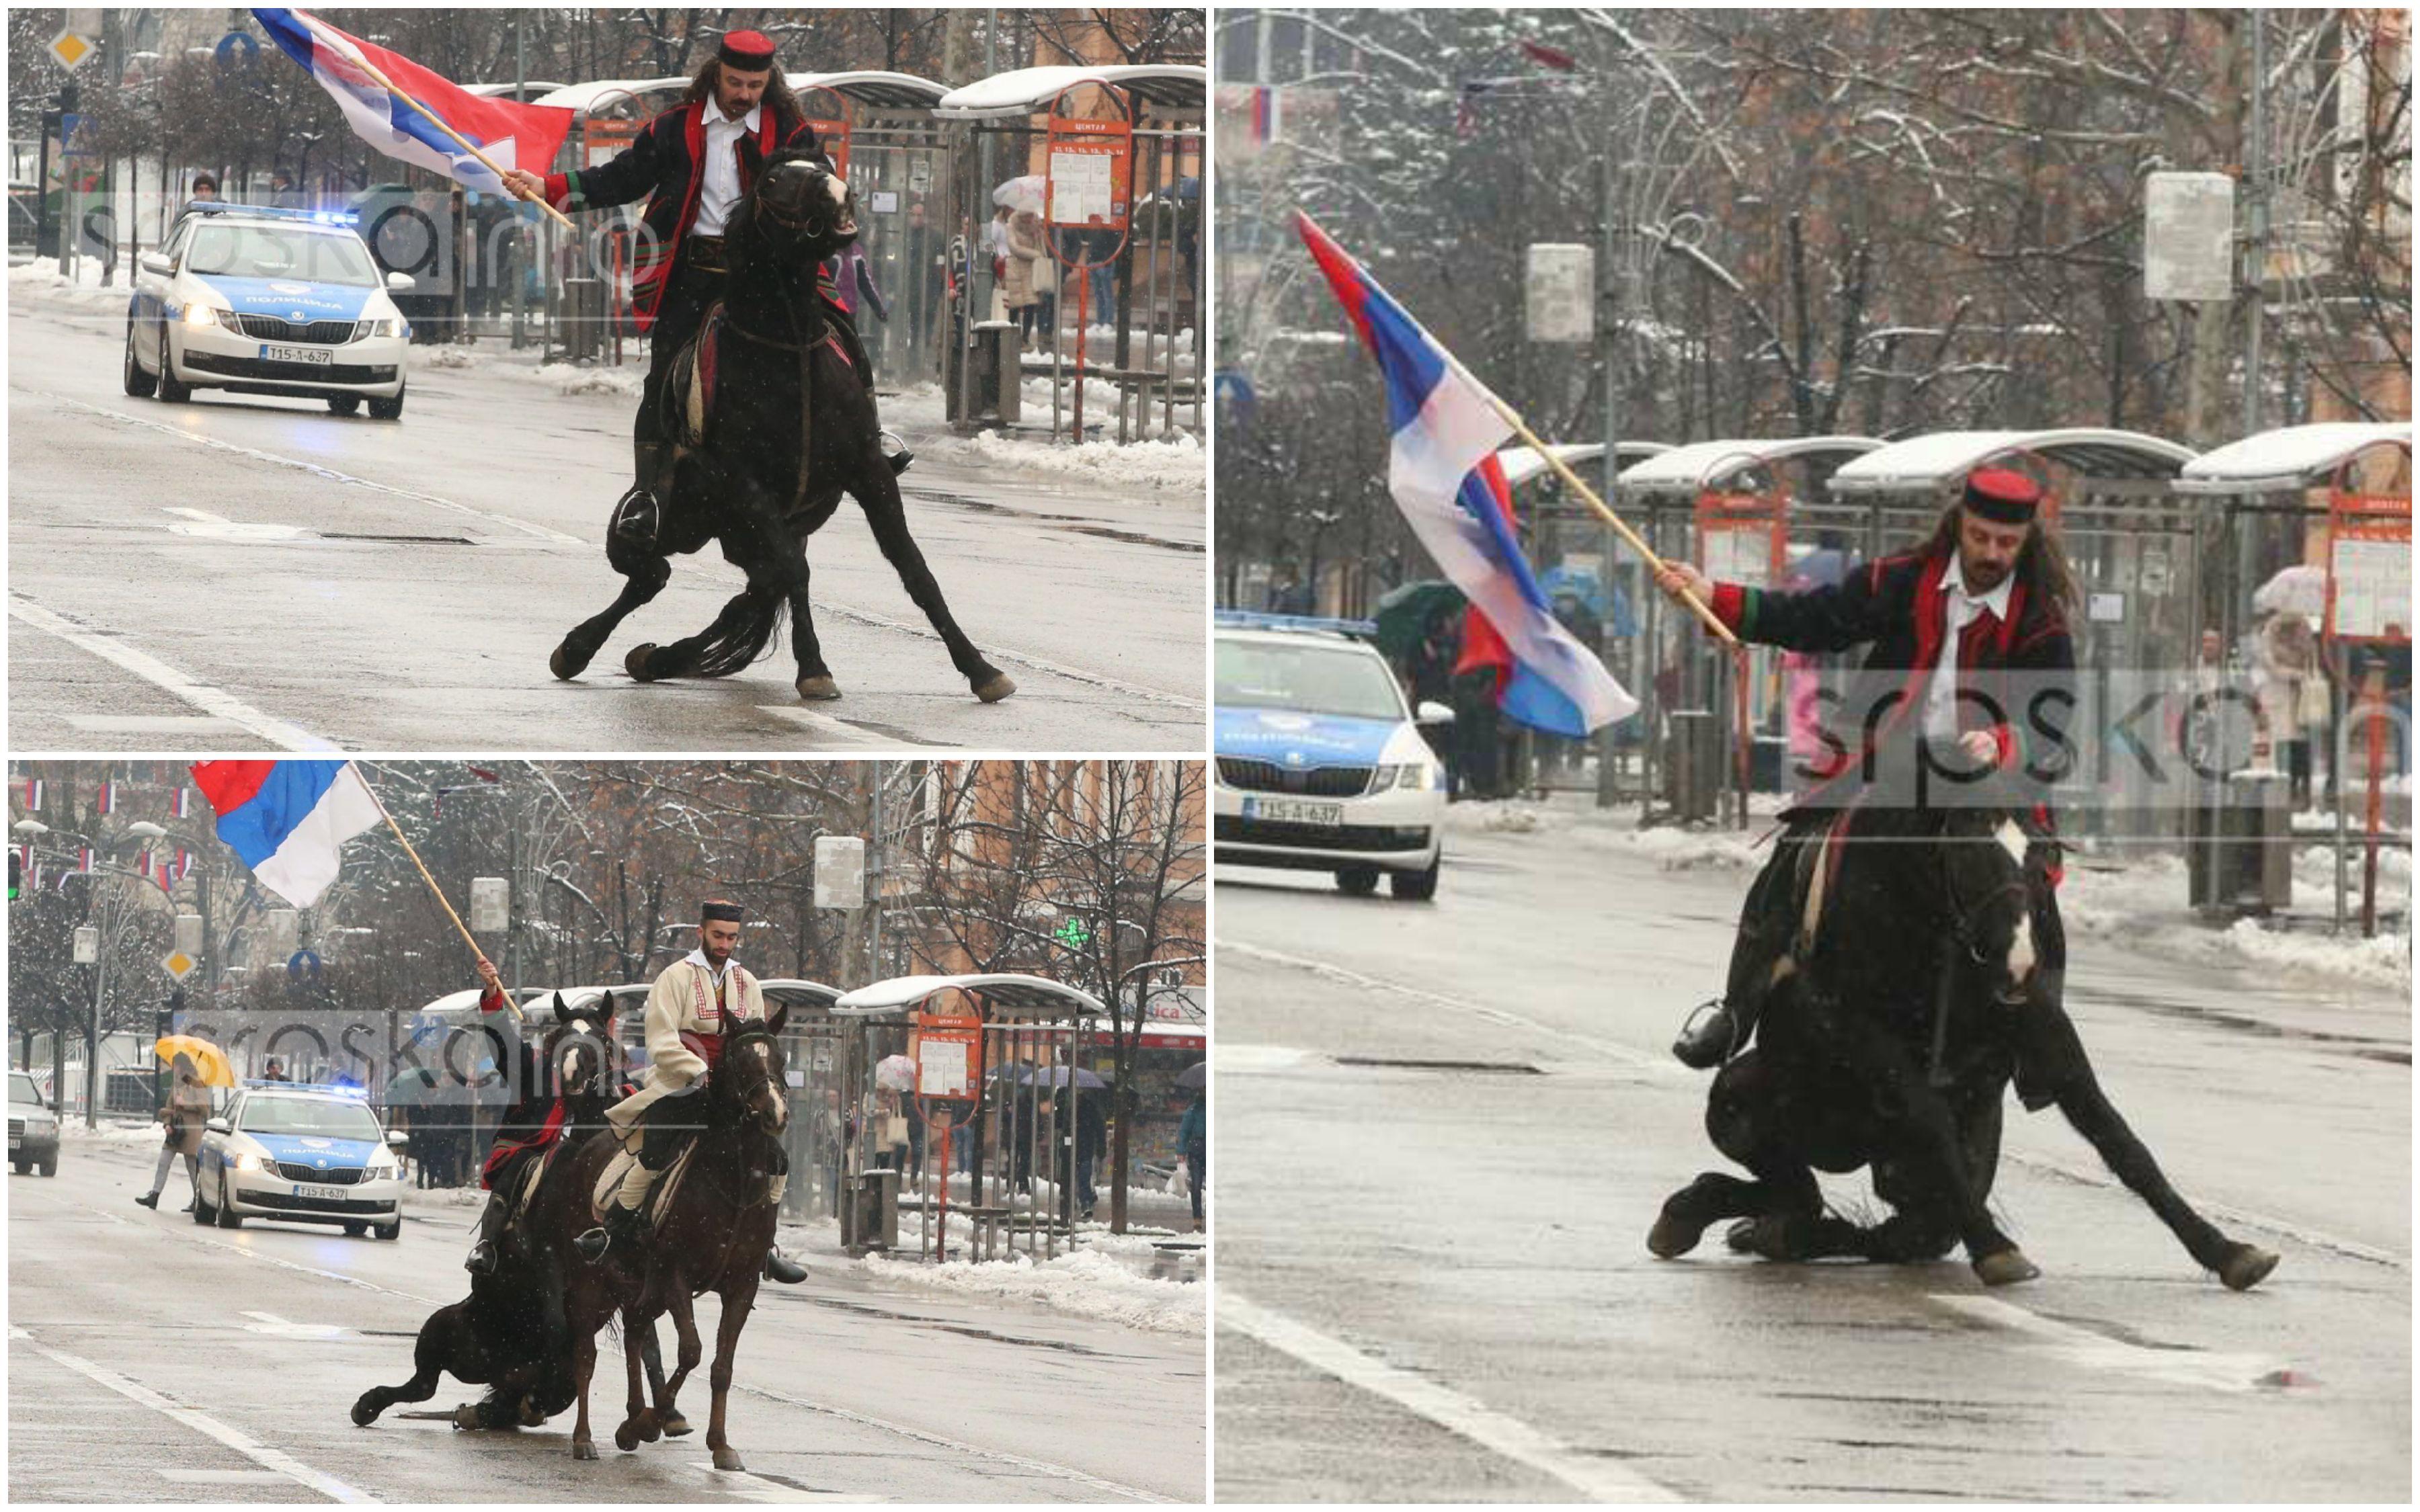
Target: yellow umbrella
(209, 1061)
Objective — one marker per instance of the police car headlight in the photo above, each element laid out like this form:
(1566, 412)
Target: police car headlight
(381, 1167)
(1412, 776)
(244, 1162)
(198, 314)
(388, 324)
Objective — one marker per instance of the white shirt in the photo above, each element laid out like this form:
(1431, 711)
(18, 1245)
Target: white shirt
(1940, 695)
(713, 973)
(720, 191)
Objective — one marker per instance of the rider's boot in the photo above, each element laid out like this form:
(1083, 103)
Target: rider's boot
(1714, 1033)
(1719, 1029)
(638, 515)
(896, 450)
(780, 1267)
(622, 1225)
(481, 1259)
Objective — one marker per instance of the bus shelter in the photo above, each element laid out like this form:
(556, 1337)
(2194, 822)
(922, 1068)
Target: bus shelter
(2345, 490)
(882, 135)
(1113, 159)
(1001, 1096)
(2140, 551)
(1735, 507)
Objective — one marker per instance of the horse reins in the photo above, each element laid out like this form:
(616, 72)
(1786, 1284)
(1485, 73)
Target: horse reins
(1961, 929)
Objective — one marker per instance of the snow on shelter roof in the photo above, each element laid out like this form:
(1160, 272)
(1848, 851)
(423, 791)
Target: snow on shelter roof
(1180, 88)
(1522, 463)
(2296, 456)
(875, 87)
(1685, 469)
(583, 96)
(1006, 992)
(1923, 463)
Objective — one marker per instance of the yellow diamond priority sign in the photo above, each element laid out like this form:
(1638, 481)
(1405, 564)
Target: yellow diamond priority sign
(179, 964)
(71, 48)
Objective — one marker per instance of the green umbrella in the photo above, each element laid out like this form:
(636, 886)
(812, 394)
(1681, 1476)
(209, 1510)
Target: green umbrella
(1405, 610)
(408, 1088)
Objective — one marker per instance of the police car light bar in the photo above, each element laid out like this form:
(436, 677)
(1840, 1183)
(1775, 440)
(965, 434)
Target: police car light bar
(1242, 619)
(274, 212)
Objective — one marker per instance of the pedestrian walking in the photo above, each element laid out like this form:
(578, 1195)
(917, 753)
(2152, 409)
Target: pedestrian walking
(187, 1109)
(1193, 1137)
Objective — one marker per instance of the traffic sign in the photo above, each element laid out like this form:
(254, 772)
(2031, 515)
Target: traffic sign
(87, 944)
(178, 964)
(303, 964)
(235, 50)
(71, 47)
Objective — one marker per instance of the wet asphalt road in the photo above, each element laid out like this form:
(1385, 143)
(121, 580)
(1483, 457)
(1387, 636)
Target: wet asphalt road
(241, 570)
(1434, 1283)
(150, 1360)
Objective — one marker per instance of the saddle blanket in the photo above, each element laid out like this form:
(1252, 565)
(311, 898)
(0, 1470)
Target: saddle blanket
(689, 388)
(659, 1198)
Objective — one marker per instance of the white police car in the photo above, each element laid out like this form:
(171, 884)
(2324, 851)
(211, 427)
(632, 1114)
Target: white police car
(1321, 766)
(259, 300)
(302, 1155)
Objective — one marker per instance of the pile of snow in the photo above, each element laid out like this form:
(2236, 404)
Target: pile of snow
(1104, 1279)
(1506, 816)
(450, 355)
(616, 382)
(111, 1131)
(41, 281)
(1175, 465)
(2144, 905)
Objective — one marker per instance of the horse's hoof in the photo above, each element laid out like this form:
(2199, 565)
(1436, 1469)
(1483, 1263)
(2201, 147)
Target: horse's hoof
(625, 1439)
(566, 663)
(677, 1426)
(466, 1417)
(819, 687)
(2246, 1266)
(636, 662)
(727, 1457)
(1677, 1231)
(363, 1413)
(2005, 1267)
(1740, 1238)
(995, 688)
(582, 1449)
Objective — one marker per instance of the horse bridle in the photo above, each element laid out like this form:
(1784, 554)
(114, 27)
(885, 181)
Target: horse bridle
(1962, 917)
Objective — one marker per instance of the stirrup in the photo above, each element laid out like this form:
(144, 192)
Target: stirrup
(636, 517)
(895, 449)
(482, 1260)
(780, 1267)
(1688, 1053)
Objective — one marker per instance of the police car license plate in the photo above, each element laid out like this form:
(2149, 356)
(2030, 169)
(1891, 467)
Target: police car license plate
(1294, 812)
(322, 1193)
(320, 356)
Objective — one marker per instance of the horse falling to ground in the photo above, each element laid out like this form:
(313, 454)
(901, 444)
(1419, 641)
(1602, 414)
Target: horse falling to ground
(711, 1234)
(1895, 1030)
(510, 1333)
(779, 424)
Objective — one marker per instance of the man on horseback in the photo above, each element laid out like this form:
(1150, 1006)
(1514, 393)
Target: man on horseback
(693, 164)
(1951, 623)
(687, 1009)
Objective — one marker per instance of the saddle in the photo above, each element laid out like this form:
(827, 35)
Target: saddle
(689, 388)
(660, 1197)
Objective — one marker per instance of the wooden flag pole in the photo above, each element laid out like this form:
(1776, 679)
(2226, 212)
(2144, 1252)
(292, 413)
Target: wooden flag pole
(388, 84)
(438, 892)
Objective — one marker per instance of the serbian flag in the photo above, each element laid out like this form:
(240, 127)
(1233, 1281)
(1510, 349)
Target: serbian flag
(1443, 473)
(514, 135)
(107, 801)
(181, 802)
(33, 794)
(289, 820)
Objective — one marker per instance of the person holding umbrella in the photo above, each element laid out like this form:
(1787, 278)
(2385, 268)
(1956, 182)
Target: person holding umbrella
(187, 1109)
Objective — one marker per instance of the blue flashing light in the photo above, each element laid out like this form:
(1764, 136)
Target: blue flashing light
(1240, 619)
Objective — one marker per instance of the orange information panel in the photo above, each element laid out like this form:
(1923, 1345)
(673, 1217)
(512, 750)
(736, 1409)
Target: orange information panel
(1742, 538)
(946, 1049)
(1092, 172)
(2369, 568)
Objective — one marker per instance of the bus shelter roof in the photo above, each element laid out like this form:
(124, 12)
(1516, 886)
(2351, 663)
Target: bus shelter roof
(1927, 463)
(1006, 992)
(582, 96)
(1175, 88)
(2288, 459)
(1523, 463)
(1686, 470)
(876, 87)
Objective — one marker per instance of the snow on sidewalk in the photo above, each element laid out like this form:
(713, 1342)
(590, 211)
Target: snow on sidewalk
(1105, 1279)
(41, 281)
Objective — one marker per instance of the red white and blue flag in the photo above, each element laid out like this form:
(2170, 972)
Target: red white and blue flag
(180, 802)
(289, 821)
(1445, 479)
(33, 794)
(513, 134)
(107, 803)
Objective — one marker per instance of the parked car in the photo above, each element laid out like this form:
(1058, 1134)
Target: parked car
(33, 1127)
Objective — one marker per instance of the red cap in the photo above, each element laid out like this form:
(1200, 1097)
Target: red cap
(2002, 495)
(746, 50)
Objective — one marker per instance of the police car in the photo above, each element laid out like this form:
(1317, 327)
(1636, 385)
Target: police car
(302, 1155)
(257, 299)
(1321, 766)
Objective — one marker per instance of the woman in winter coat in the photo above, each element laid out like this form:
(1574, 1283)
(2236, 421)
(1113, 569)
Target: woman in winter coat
(187, 1109)
(1027, 251)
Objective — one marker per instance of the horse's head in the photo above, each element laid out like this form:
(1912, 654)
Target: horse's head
(801, 212)
(580, 1049)
(1991, 860)
(753, 1072)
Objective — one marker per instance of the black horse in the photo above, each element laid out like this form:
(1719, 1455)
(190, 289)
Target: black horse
(777, 425)
(1914, 994)
(510, 1333)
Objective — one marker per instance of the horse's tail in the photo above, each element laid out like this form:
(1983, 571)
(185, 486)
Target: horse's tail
(737, 641)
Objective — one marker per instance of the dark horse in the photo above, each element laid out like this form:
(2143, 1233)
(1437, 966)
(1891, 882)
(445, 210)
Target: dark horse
(510, 1334)
(1910, 1000)
(710, 1236)
(790, 429)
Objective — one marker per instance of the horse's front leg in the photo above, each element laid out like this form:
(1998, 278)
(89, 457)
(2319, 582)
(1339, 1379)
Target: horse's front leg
(637, 1425)
(816, 680)
(692, 1350)
(737, 1301)
(643, 577)
(887, 512)
(1924, 1127)
(584, 1368)
(670, 1420)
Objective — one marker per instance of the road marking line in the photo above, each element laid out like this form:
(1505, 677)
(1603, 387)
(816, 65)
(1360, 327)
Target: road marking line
(201, 522)
(541, 532)
(755, 1487)
(824, 724)
(1017, 658)
(160, 674)
(1594, 1478)
(1003, 1457)
(1262, 1059)
(2245, 1217)
(236, 1439)
(2098, 1352)
(1636, 1061)
(286, 1328)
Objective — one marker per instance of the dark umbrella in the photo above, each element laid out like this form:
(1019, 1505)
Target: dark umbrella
(1405, 610)
(1025, 1075)
(1192, 1076)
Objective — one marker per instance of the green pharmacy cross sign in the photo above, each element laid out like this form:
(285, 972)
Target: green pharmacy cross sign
(1072, 933)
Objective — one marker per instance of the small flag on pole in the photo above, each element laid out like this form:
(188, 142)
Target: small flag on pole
(84, 858)
(107, 802)
(289, 820)
(1445, 478)
(181, 804)
(33, 794)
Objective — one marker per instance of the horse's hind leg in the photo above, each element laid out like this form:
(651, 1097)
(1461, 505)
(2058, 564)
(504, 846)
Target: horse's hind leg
(815, 678)
(644, 578)
(888, 515)
(1738, 1119)
(638, 1421)
(430, 1359)
(726, 645)
(667, 1415)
